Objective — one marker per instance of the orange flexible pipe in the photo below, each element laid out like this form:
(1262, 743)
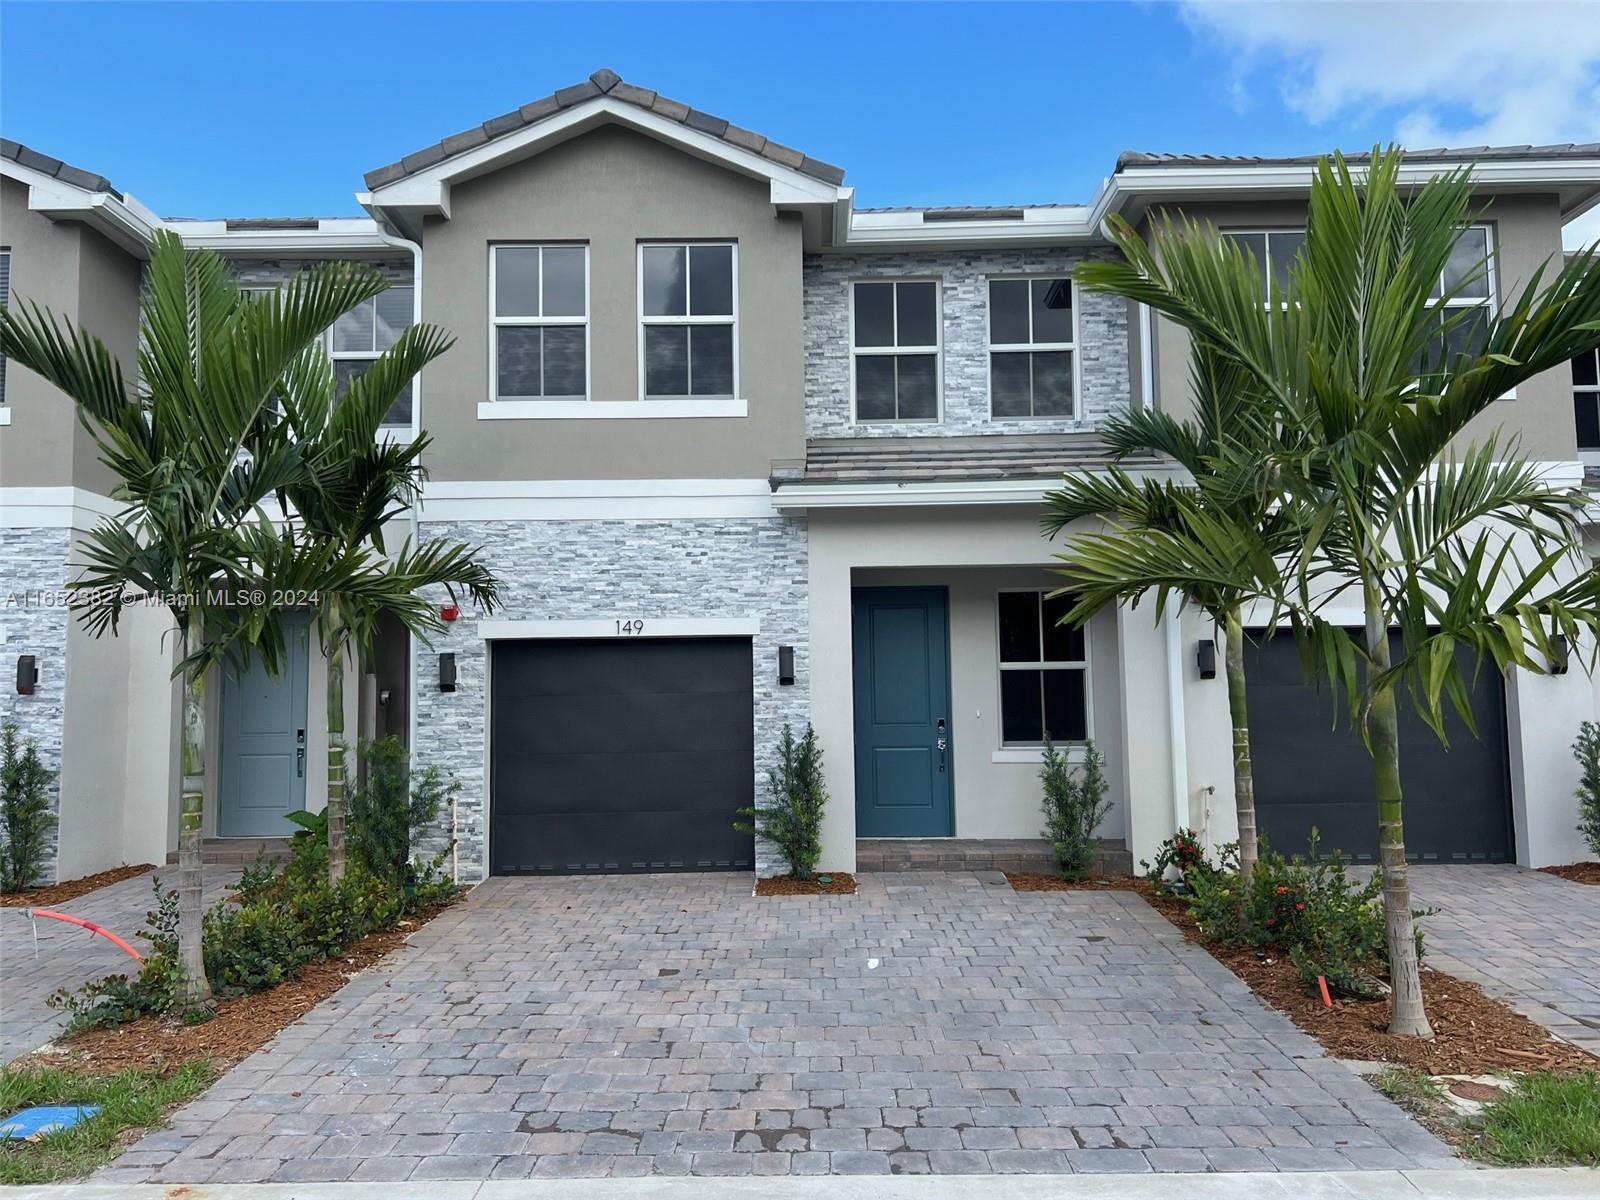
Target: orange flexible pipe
(90, 926)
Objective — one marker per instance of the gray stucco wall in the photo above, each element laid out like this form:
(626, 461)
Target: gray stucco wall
(565, 570)
(1102, 341)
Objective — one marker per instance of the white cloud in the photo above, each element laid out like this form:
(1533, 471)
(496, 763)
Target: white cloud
(1454, 74)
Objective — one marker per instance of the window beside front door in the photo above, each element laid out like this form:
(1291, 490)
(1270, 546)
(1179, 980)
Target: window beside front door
(1032, 344)
(688, 323)
(540, 302)
(1044, 671)
(364, 332)
(895, 350)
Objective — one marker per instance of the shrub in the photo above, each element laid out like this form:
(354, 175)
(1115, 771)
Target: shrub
(1587, 751)
(117, 998)
(1074, 806)
(792, 816)
(1183, 853)
(388, 803)
(25, 816)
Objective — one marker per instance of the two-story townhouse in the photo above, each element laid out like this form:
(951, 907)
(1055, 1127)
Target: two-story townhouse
(745, 455)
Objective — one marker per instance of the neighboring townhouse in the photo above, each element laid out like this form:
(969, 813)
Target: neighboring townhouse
(746, 455)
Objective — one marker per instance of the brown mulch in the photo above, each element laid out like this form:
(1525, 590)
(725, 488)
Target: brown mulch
(1584, 872)
(1474, 1034)
(242, 1024)
(840, 883)
(1036, 881)
(71, 889)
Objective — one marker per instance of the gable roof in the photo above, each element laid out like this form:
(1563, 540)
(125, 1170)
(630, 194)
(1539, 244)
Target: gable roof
(77, 177)
(608, 83)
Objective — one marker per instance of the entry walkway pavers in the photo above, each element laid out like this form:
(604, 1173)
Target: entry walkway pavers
(69, 957)
(675, 1025)
(1530, 938)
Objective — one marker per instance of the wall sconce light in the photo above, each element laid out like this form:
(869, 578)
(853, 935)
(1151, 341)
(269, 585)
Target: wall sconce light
(1560, 654)
(1206, 658)
(27, 674)
(785, 666)
(447, 672)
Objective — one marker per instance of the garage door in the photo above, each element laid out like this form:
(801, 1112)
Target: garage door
(1308, 773)
(620, 755)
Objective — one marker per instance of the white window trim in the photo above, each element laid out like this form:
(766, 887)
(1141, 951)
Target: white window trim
(495, 321)
(937, 349)
(713, 405)
(367, 356)
(1588, 455)
(1029, 751)
(1031, 347)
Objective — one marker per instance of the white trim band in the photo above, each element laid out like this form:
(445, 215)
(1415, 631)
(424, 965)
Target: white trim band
(589, 410)
(597, 500)
(621, 627)
(54, 508)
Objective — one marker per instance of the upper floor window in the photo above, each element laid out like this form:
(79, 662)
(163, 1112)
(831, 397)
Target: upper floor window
(1586, 399)
(895, 337)
(1274, 250)
(1032, 345)
(363, 333)
(5, 298)
(688, 327)
(1044, 671)
(539, 348)
(1463, 298)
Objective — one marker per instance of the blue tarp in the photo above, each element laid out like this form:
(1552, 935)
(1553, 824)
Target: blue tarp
(36, 1122)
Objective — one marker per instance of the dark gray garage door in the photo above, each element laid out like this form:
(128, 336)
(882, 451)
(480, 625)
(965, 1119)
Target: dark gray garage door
(1457, 802)
(620, 755)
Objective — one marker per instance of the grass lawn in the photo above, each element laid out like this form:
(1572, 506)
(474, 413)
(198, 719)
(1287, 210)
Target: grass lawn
(1547, 1120)
(130, 1100)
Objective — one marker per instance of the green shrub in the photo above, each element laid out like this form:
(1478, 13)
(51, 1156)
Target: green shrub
(1074, 805)
(1183, 853)
(117, 999)
(308, 846)
(388, 803)
(1587, 751)
(796, 797)
(25, 816)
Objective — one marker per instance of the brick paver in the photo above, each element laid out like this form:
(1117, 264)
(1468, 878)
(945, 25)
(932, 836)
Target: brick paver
(68, 956)
(1530, 938)
(675, 1025)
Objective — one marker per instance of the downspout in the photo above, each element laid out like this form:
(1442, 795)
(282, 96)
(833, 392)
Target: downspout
(1177, 733)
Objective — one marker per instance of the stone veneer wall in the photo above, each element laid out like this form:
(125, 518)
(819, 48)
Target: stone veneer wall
(33, 573)
(573, 570)
(1102, 341)
(261, 272)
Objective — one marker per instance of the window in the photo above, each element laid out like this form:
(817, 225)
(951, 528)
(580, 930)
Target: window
(895, 338)
(540, 346)
(1586, 399)
(688, 296)
(5, 298)
(365, 332)
(1044, 671)
(1275, 251)
(1031, 344)
(1462, 298)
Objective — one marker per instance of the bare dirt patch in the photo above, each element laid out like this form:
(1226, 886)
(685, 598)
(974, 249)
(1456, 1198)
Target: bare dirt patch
(839, 883)
(1474, 1033)
(57, 893)
(1584, 872)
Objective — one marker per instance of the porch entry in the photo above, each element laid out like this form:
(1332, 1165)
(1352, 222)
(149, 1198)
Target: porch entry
(262, 775)
(901, 639)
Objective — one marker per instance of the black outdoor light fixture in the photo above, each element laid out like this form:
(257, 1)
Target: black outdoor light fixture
(1206, 658)
(1560, 653)
(447, 672)
(785, 666)
(27, 674)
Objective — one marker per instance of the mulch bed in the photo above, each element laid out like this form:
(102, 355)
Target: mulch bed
(1584, 872)
(56, 893)
(840, 883)
(1474, 1033)
(242, 1024)
(1035, 881)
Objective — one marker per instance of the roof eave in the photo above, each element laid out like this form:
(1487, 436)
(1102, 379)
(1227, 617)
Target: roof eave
(120, 218)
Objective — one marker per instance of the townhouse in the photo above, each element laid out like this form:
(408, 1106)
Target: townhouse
(746, 454)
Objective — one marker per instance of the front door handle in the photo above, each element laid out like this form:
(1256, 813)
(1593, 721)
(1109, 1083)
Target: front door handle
(944, 743)
(300, 753)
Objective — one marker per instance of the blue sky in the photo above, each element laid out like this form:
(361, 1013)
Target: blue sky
(277, 109)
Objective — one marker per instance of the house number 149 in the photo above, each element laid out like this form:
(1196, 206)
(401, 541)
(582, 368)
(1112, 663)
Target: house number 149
(635, 626)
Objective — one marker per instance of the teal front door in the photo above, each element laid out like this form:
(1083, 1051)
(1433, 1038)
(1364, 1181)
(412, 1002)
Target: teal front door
(902, 700)
(263, 751)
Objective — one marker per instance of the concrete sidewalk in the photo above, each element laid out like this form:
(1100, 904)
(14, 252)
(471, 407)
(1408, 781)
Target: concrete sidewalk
(1573, 1183)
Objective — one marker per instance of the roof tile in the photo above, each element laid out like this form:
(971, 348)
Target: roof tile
(826, 172)
(779, 153)
(504, 123)
(669, 108)
(576, 94)
(537, 110)
(424, 158)
(605, 79)
(383, 175)
(746, 138)
(75, 176)
(643, 97)
(706, 123)
(458, 143)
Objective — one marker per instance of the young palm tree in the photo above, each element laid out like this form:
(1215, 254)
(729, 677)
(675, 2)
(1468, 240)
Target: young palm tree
(1149, 541)
(1474, 551)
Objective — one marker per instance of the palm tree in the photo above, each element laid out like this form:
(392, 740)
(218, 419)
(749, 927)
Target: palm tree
(361, 478)
(1150, 541)
(1376, 381)
(199, 453)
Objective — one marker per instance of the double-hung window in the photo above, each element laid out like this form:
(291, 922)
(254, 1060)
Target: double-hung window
(1032, 346)
(363, 333)
(540, 303)
(688, 323)
(1586, 402)
(1275, 251)
(1044, 671)
(895, 339)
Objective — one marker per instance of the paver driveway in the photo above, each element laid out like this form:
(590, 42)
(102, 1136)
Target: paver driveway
(675, 1024)
(1530, 938)
(68, 956)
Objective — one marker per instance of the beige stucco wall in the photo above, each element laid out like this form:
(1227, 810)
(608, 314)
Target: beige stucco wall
(612, 189)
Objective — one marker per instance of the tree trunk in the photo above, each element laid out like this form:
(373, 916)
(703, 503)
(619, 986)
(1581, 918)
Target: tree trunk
(191, 808)
(336, 752)
(1407, 1016)
(1244, 780)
